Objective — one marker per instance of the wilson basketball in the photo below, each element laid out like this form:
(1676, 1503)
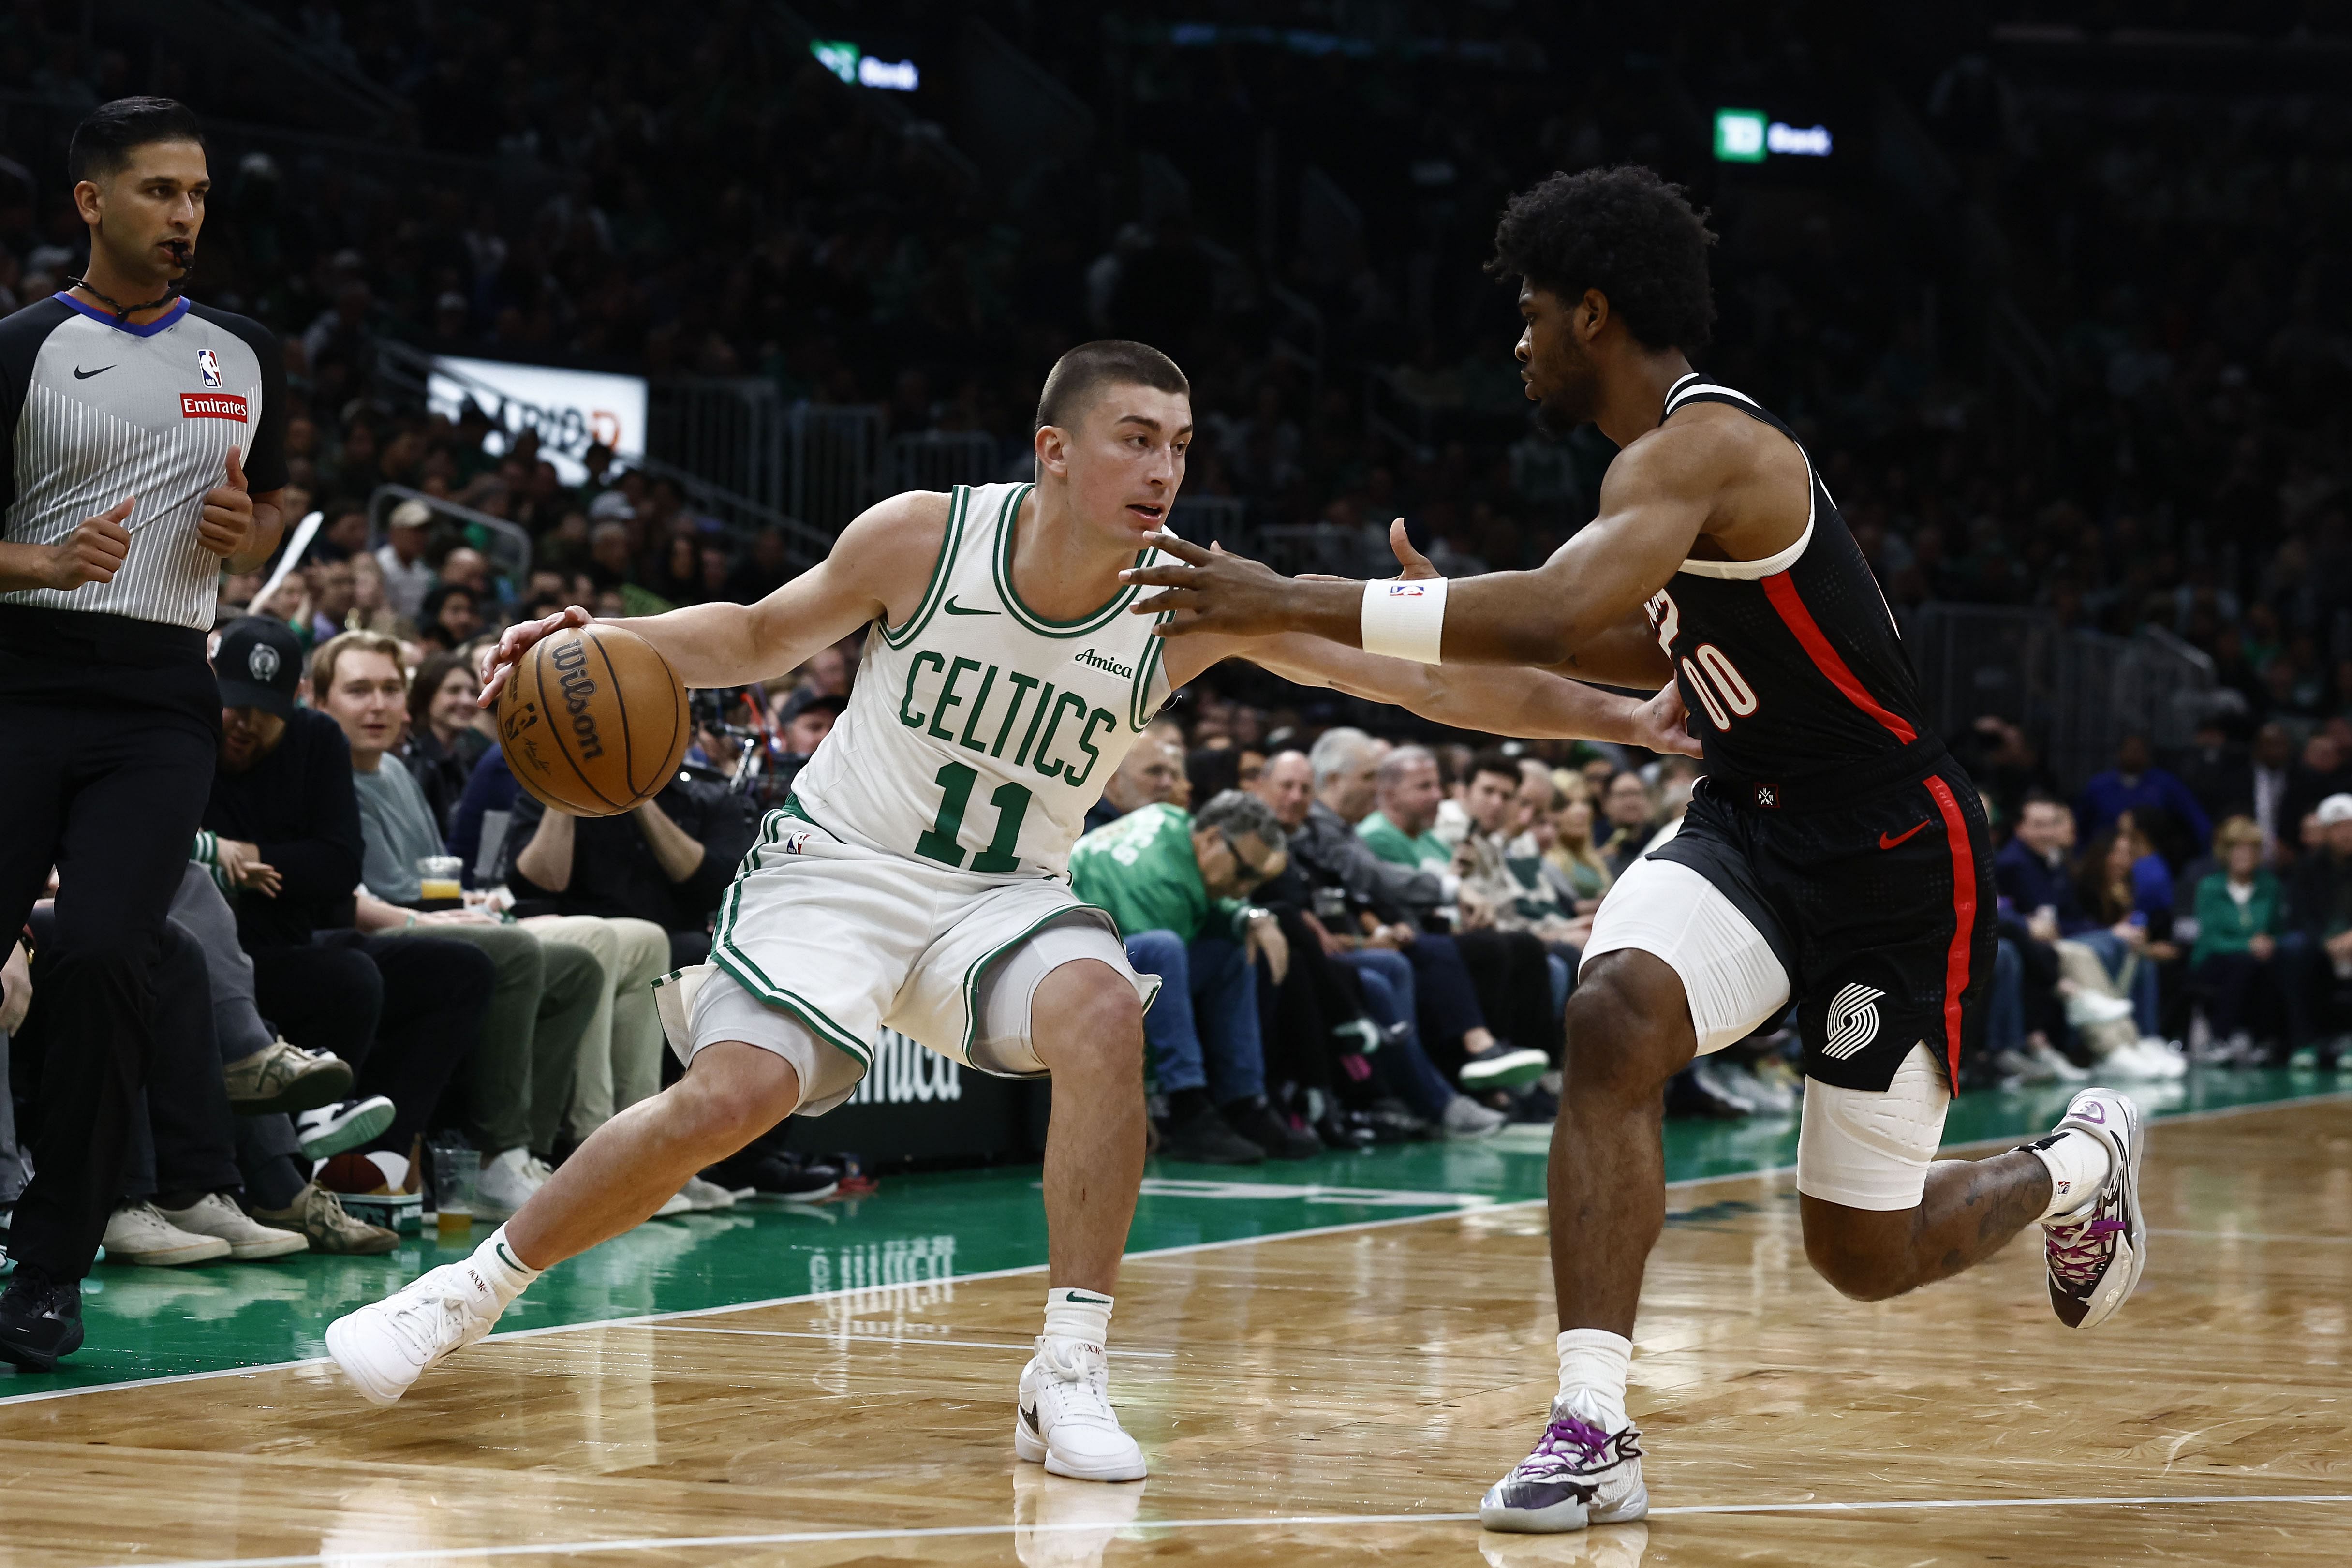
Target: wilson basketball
(593, 720)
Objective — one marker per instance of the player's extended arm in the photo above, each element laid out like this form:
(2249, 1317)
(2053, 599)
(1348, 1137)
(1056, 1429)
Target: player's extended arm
(1657, 495)
(1532, 703)
(879, 565)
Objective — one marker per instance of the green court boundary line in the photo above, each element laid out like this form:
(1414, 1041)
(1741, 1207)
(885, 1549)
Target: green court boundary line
(1307, 1520)
(2213, 1113)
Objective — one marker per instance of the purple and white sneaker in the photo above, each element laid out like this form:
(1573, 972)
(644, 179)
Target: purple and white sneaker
(2097, 1253)
(1579, 1474)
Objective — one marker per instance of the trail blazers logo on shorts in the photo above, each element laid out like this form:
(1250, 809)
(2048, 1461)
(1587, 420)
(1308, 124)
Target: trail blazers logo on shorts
(1853, 1020)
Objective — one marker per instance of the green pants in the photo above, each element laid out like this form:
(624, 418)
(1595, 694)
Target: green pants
(519, 1074)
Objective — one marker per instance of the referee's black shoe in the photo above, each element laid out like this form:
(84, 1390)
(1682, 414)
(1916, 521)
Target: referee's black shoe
(40, 1319)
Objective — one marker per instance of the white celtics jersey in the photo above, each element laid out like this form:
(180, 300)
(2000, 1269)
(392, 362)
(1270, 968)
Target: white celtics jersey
(979, 732)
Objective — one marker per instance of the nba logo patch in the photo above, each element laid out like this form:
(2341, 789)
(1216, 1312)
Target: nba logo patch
(209, 363)
(793, 842)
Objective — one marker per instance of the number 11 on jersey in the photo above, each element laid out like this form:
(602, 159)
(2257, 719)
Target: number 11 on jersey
(938, 841)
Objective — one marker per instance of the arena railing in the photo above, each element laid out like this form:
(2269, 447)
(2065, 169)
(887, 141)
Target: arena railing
(507, 545)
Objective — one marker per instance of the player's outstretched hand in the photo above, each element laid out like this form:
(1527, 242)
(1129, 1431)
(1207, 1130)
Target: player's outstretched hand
(94, 551)
(1212, 591)
(499, 662)
(1663, 723)
(227, 520)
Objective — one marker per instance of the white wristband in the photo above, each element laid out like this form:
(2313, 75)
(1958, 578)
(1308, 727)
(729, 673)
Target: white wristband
(1404, 620)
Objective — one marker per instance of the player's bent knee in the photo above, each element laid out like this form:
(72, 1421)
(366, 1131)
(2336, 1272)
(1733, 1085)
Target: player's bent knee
(1862, 1253)
(733, 1093)
(1628, 1026)
(1086, 1013)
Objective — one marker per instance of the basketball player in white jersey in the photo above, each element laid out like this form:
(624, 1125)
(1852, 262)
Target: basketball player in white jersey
(917, 877)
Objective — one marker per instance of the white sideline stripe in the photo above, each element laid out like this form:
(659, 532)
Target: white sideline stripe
(890, 1341)
(1310, 1521)
(2334, 1097)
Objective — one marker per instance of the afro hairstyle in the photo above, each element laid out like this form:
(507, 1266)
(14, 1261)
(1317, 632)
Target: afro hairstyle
(1623, 231)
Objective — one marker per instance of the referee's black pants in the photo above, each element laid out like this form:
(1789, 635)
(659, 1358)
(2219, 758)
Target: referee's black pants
(110, 732)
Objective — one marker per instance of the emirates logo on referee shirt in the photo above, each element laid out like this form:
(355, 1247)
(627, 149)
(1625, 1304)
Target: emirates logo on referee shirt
(212, 405)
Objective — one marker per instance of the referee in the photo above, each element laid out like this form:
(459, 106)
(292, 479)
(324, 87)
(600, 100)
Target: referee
(142, 445)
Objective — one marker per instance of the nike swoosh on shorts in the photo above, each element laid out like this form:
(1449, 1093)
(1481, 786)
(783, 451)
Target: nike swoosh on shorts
(1886, 841)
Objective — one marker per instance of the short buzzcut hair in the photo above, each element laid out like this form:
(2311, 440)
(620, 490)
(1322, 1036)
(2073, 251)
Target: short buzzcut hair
(1238, 812)
(1078, 376)
(102, 143)
(1623, 231)
(328, 654)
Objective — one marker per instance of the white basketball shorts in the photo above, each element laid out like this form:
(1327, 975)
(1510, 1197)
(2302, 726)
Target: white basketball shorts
(1863, 1149)
(821, 943)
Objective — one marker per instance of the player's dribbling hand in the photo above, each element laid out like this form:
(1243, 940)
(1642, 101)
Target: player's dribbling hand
(228, 521)
(499, 662)
(1663, 724)
(94, 551)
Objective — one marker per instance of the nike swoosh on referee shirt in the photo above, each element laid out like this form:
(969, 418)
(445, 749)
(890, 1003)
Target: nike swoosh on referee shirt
(81, 374)
(1888, 841)
(955, 609)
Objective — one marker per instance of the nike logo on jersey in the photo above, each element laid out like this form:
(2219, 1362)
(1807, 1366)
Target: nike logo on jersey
(1887, 841)
(955, 609)
(81, 374)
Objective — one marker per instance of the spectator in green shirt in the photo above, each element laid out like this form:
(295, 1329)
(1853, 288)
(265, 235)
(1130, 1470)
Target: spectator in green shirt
(2240, 911)
(1175, 884)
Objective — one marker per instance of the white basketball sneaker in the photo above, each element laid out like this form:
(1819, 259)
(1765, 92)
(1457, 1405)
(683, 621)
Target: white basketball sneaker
(1579, 1474)
(385, 1347)
(1065, 1421)
(2097, 1253)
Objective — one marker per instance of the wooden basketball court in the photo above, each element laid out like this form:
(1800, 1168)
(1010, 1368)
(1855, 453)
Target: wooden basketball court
(1323, 1392)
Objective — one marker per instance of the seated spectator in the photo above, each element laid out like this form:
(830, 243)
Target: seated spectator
(2316, 953)
(1383, 974)
(2128, 937)
(2321, 771)
(479, 822)
(1630, 820)
(400, 559)
(1572, 863)
(284, 815)
(546, 995)
(451, 616)
(2240, 913)
(446, 733)
(2137, 781)
(1175, 883)
(2218, 771)
(1151, 772)
(1498, 870)
(1510, 969)
(803, 721)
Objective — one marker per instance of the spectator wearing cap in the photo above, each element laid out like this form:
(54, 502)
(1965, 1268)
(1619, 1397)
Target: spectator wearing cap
(2316, 952)
(804, 720)
(282, 803)
(401, 558)
(2136, 784)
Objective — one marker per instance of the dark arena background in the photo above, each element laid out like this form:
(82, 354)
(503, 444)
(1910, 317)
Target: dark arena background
(635, 308)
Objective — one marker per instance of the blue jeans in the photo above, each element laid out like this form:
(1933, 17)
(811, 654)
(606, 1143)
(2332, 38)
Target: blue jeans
(1202, 1033)
(2112, 953)
(1404, 1067)
(2005, 1018)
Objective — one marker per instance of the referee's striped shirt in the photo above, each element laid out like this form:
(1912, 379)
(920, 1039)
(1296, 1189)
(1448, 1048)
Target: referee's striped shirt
(93, 410)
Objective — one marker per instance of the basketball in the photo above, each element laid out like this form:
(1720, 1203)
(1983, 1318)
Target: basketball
(593, 720)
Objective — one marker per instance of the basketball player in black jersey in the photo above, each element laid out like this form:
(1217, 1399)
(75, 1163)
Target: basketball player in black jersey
(1834, 857)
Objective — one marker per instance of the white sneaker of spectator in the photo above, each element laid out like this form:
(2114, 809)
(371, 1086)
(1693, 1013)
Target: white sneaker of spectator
(138, 1233)
(706, 1196)
(343, 1126)
(2046, 1057)
(2144, 1058)
(1465, 1118)
(508, 1182)
(216, 1215)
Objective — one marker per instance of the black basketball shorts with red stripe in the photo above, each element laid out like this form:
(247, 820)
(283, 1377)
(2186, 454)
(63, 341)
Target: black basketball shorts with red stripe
(1881, 909)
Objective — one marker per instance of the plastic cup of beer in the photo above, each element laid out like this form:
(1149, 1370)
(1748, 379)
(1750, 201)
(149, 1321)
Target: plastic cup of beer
(456, 1174)
(438, 882)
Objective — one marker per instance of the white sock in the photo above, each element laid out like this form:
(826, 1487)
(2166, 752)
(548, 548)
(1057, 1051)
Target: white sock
(1081, 1315)
(2079, 1163)
(1595, 1363)
(495, 1268)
